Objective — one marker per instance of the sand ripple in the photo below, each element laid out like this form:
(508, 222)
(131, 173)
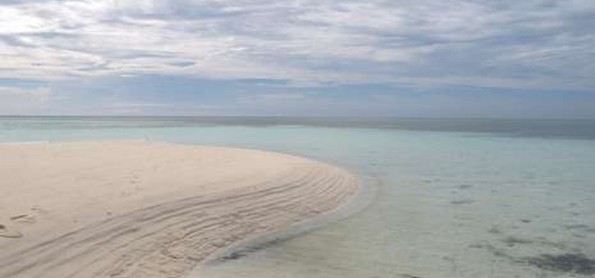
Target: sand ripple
(171, 238)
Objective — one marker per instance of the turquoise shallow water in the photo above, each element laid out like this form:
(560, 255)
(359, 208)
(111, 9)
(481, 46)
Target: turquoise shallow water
(450, 202)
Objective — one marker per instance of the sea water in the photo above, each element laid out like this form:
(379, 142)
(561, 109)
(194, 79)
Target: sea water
(451, 197)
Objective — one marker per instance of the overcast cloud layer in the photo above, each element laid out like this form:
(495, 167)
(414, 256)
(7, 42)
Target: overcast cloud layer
(297, 51)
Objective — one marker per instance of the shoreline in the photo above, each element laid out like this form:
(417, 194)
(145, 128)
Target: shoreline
(366, 193)
(222, 200)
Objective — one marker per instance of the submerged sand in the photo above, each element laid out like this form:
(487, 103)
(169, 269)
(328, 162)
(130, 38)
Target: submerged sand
(147, 209)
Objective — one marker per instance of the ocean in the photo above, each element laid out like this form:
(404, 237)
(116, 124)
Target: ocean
(441, 197)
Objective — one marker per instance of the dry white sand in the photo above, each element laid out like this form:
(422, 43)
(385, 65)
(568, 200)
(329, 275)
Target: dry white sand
(146, 209)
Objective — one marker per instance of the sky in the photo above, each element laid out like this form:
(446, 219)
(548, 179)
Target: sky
(404, 58)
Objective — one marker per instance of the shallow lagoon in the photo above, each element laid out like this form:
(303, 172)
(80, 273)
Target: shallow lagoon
(447, 203)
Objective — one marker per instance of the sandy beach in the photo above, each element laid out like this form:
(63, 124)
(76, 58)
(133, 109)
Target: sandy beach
(148, 209)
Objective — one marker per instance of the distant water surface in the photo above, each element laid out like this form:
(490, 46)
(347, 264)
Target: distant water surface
(571, 129)
(455, 197)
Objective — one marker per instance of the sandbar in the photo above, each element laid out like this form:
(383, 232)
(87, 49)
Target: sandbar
(148, 209)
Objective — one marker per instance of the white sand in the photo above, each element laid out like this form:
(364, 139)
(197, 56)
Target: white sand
(141, 209)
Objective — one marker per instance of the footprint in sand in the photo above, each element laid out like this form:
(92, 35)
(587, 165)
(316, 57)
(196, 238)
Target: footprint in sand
(39, 210)
(24, 218)
(9, 233)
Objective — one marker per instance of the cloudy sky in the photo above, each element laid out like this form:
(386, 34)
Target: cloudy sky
(432, 58)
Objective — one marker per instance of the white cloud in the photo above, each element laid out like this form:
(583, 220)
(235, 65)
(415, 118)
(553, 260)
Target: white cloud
(21, 100)
(306, 42)
(273, 99)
